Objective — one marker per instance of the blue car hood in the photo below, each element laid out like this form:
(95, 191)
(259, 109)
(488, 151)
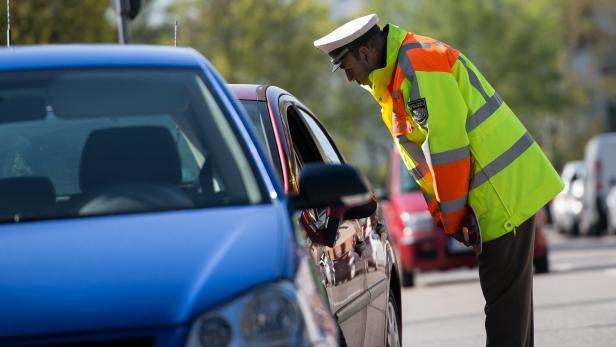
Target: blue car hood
(129, 271)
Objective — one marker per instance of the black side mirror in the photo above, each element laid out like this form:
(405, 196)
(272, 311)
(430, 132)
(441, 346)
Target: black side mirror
(381, 194)
(361, 211)
(341, 188)
(322, 185)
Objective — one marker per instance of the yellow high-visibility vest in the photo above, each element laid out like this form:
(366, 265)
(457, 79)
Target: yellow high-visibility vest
(461, 142)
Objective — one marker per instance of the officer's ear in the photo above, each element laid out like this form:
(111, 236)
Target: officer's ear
(364, 53)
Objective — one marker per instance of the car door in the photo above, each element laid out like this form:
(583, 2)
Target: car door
(342, 266)
(370, 244)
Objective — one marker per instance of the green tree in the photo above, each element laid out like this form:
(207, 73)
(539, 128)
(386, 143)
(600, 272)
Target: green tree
(271, 42)
(249, 41)
(520, 46)
(67, 21)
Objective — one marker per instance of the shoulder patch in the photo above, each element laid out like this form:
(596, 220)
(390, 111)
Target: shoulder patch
(419, 111)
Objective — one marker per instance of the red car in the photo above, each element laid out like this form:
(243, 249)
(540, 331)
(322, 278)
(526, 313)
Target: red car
(540, 250)
(421, 244)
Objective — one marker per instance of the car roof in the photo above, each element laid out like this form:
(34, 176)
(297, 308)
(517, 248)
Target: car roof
(96, 55)
(254, 92)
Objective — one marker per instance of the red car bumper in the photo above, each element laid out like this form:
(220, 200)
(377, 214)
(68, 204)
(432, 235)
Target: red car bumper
(431, 250)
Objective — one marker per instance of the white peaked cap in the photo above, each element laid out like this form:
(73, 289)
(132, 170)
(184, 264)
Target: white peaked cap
(346, 33)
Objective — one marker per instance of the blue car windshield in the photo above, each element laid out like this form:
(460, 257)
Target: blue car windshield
(106, 141)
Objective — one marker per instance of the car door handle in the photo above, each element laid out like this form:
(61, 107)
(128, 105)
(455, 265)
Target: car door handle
(350, 309)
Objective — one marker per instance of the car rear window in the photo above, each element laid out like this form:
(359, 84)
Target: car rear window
(106, 141)
(407, 182)
(262, 126)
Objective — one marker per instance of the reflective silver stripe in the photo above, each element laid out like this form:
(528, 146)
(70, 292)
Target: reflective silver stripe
(407, 68)
(485, 111)
(453, 205)
(426, 196)
(417, 154)
(413, 148)
(417, 174)
(502, 161)
(450, 156)
(425, 148)
(488, 108)
(413, 45)
(474, 79)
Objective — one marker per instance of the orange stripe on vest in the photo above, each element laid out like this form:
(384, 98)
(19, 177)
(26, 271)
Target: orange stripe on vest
(448, 185)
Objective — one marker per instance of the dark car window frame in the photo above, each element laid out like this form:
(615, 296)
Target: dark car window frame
(313, 126)
(303, 141)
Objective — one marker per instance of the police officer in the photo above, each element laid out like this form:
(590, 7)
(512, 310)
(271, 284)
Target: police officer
(482, 174)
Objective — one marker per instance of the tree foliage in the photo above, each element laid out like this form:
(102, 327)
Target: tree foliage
(271, 42)
(66, 21)
(518, 45)
(248, 41)
(521, 47)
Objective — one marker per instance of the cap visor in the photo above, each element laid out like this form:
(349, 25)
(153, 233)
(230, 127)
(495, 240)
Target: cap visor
(336, 66)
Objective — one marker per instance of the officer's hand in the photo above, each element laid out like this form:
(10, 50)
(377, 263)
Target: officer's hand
(469, 234)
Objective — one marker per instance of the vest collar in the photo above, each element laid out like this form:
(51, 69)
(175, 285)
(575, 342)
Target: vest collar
(380, 78)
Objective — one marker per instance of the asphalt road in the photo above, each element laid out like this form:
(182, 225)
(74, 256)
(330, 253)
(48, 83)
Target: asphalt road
(575, 304)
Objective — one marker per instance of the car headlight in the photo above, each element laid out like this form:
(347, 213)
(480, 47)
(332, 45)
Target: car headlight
(576, 206)
(416, 221)
(214, 332)
(272, 318)
(413, 222)
(281, 313)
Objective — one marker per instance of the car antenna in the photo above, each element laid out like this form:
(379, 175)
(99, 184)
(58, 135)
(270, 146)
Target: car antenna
(175, 34)
(8, 23)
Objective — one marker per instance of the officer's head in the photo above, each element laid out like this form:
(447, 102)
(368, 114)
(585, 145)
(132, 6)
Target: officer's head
(357, 47)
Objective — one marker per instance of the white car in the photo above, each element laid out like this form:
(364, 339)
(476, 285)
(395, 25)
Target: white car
(567, 205)
(611, 211)
(600, 163)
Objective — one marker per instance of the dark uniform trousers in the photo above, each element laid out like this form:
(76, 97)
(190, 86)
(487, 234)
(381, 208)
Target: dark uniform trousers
(506, 277)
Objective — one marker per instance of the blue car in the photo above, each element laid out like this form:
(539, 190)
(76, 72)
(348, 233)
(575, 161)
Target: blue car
(136, 209)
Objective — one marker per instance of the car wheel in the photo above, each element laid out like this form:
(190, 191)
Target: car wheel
(392, 328)
(408, 279)
(611, 226)
(575, 229)
(541, 265)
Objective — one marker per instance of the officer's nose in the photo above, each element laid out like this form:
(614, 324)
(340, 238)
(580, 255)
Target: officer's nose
(348, 75)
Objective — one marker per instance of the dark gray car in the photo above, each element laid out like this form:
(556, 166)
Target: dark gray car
(358, 265)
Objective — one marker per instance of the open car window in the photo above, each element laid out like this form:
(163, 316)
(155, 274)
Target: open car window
(107, 141)
(327, 149)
